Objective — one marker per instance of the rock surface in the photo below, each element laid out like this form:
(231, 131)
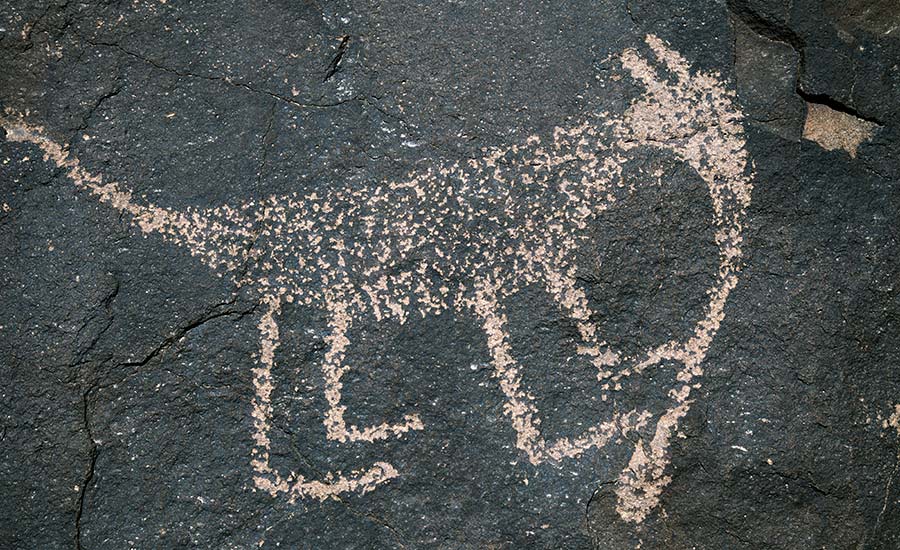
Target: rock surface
(450, 274)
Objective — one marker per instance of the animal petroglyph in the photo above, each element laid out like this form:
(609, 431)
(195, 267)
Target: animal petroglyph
(515, 217)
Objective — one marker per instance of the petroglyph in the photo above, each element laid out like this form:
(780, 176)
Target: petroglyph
(513, 218)
(894, 420)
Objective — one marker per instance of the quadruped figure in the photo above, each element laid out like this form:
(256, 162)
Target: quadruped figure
(513, 218)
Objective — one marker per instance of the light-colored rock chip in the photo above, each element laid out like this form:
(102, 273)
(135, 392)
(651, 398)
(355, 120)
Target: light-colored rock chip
(833, 129)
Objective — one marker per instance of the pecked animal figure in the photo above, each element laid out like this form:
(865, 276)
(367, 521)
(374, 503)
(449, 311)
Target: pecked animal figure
(492, 226)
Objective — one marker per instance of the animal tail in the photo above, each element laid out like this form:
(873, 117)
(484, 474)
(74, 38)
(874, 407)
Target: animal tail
(220, 236)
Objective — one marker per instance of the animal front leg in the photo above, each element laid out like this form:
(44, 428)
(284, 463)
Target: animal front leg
(334, 368)
(572, 300)
(520, 406)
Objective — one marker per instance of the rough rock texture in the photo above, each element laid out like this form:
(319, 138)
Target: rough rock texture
(450, 274)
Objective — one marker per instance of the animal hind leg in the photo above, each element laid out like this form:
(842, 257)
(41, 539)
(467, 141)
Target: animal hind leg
(334, 368)
(266, 477)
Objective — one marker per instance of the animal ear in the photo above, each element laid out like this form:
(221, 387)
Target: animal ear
(692, 113)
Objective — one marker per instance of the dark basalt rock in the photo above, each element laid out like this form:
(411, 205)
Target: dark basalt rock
(145, 401)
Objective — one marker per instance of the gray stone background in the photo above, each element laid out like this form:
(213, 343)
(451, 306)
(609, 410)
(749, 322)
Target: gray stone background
(126, 378)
